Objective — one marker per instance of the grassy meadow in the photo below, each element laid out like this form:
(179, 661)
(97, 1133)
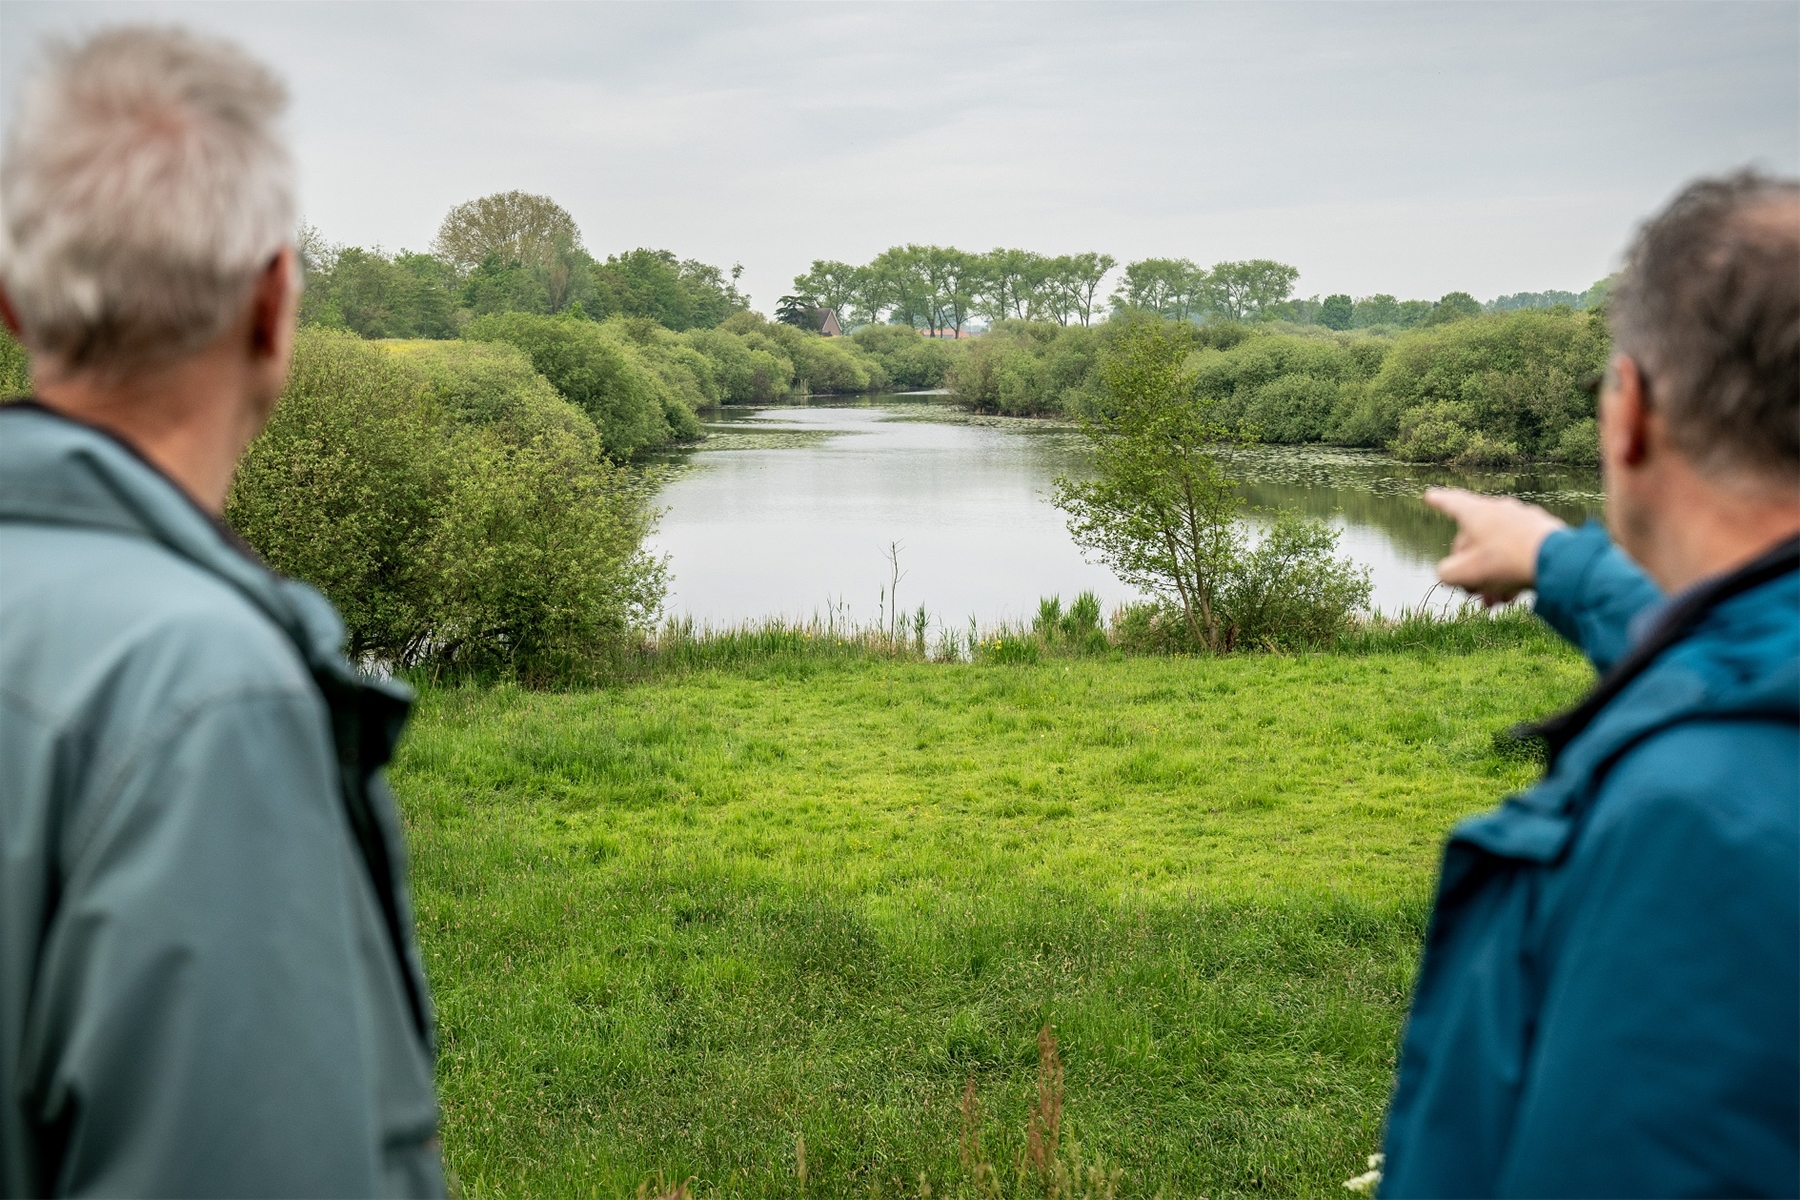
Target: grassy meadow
(760, 925)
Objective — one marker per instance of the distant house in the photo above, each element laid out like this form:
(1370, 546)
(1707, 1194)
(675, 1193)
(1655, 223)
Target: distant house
(828, 323)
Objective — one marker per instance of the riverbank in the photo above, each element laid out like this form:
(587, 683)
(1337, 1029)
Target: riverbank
(682, 925)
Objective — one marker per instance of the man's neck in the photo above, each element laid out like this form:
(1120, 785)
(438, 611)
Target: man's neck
(1703, 529)
(187, 418)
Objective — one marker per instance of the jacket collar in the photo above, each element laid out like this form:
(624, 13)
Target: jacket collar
(58, 471)
(1676, 674)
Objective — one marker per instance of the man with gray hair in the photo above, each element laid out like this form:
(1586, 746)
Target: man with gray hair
(208, 984)
(1609, 1002)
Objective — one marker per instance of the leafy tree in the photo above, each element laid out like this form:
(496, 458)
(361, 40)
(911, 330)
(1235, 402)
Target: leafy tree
(802, 312)
(1455, 306)
(899, 280)
(828, 284)
(1241, 290)
(1171, 287)
(1336, 312)
(1545, 299)
(679, 293)
(514, 227)
(1375, 311)
(1159, 510)
(1082, 277)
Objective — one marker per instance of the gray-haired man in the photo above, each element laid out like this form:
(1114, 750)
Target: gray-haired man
(207, 979)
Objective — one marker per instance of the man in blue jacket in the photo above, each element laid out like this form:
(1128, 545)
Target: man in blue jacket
(208, 985)
(1609, 1000)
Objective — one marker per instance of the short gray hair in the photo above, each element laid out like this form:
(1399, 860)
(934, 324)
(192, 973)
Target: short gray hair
(144, 189)
(1709, 307)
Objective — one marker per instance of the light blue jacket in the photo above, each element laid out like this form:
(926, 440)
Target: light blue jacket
(1609, 1001)
(208, 985)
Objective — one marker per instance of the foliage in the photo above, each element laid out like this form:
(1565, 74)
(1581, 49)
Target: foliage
(1161, 512)
(676, 293)
(821, 365)
(601, 371)
(1023, 368)
(509, 226)
(377, 296)
(907, 357)
(1286, 387)
(454, 507)
(679, 925)
(940, 287)
(15, 367)
(1485, 390)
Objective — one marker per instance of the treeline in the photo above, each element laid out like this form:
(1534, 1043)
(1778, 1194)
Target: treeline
(640, 343)
(1478, 390)
(941, 288)
(510, 252)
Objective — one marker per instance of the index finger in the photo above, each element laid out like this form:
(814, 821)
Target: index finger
(1452, 502)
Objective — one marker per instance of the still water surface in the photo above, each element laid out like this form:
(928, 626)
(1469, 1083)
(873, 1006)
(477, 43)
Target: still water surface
(790, 511)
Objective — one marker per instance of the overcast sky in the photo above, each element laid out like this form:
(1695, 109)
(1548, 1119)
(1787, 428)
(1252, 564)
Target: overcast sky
(1403, 148)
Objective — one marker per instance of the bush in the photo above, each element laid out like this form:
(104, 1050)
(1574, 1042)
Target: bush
(1513, 377)
(744, 375)
(1026, 368)
(1291, 590)
(907, 357)
(1286, 387)
(597, 368)
(821, 365)
(15, 367)
(454, 507)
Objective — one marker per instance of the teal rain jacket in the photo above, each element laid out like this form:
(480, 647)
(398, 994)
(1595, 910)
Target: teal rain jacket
(1609, 1000)
(208, 985)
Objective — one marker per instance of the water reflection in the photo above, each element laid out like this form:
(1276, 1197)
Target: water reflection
(790, 510)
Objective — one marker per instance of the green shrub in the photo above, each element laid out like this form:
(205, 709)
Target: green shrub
(1514, 377)
(15, 367)
(1285, 387)
(597, 368)
(1028, 368)
(456, 510)
(907, 357)
(821, 365)
(488, 383)
(1580, 442)
(1291, 590)
(744, 375)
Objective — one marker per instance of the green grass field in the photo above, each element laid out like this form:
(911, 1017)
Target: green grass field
(680, 925)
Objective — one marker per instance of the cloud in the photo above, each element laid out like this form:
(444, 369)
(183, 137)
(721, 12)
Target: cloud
(1403, 148)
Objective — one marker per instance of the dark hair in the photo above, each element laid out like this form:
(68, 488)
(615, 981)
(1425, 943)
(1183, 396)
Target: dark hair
(1709, 307)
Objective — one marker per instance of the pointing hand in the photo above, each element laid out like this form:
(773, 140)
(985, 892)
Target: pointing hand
(1497, 541)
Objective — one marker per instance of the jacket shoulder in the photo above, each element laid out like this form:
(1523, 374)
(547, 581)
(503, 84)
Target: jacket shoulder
(108, 636)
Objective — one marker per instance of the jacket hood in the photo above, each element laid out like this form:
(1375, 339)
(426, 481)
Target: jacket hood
(58, 471)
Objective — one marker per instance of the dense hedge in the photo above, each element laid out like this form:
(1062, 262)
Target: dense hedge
(15, 367)
(458, 511)
(1487, 390)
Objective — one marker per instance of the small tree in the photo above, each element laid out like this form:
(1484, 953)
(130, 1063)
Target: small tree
(1159, 510)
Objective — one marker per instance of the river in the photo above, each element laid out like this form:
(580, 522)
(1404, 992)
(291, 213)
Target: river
(792, 511)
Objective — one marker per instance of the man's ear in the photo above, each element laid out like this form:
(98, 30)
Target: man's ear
(1624, 414)
(272, 304)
